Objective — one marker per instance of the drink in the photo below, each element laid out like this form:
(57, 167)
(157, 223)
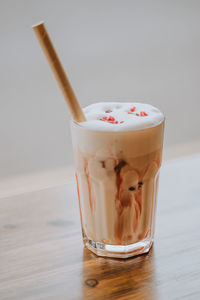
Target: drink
(118, 153)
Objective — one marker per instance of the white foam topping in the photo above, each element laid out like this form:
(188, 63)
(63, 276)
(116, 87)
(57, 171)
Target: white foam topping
(119, 116)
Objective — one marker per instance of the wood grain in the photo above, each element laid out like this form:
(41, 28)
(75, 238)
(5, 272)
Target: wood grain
(42, 257)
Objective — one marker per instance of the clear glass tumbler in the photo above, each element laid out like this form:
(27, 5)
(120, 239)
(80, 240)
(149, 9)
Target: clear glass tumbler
(117, 177)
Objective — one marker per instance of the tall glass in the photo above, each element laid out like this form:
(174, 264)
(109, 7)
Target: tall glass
(117, 177)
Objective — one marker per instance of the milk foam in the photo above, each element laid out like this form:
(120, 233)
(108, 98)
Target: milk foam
(119, 110)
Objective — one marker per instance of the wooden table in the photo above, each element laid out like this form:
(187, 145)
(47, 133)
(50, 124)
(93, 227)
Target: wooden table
(42, 257)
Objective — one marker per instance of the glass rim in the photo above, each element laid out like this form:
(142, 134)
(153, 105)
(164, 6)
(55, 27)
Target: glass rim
(78, 124)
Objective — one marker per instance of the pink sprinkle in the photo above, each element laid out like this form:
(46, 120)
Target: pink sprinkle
(108, 111)
(130, 113)
(122, 122)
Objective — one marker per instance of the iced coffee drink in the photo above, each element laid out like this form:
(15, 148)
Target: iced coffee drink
(118, 153)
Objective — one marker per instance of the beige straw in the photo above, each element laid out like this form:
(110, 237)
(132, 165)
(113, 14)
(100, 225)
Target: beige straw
(59, 72)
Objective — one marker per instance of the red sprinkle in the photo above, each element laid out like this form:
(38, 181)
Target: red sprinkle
(104, 119)
(130, 113)
(137, 114)
(133, 109)
(108, 111)
(143, 114)
(110, 118)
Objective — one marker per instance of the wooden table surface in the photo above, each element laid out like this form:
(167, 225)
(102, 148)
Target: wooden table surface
(42, 257)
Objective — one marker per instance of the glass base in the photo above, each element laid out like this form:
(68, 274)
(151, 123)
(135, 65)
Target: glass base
(119, 251)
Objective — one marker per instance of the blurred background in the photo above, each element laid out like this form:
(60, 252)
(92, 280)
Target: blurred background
(122, 50)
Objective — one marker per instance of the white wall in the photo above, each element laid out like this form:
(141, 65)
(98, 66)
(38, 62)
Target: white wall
(111, 50)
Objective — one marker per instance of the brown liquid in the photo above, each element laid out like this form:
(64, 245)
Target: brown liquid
(117, 177)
